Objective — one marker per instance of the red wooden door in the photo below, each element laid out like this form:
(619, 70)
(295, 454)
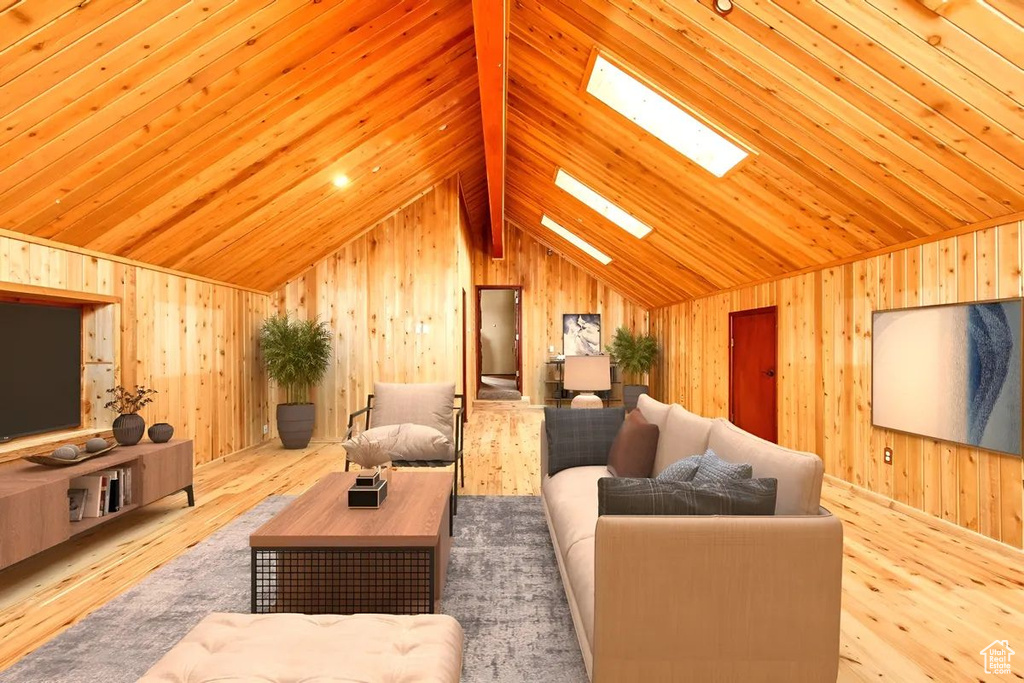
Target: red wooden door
(752, 372)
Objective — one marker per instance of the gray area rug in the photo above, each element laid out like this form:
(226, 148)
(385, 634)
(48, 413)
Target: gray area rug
(503, 587)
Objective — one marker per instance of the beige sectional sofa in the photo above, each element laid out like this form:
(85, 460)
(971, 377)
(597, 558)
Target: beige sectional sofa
(702, 598)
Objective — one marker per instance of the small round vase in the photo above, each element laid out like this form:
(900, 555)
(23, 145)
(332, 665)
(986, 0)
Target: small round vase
(128, 429)
(161, 432)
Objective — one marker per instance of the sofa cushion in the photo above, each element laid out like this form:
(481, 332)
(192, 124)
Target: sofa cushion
(621, 496)
(579, 566)
(683, 435)
(633, 450)
(571, 499)
(653, 411)
(799, 474)
(229, 648)
(681, 470)
(579, 438)
(714, 470)
(430, 405)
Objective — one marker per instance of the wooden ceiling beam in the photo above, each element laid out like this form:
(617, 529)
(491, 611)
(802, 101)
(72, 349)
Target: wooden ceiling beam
(490, 27)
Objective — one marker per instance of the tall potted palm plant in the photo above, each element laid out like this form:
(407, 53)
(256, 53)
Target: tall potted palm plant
(297, 354)
(635, 355)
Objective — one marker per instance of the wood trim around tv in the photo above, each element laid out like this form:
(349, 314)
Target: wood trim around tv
(36, 294)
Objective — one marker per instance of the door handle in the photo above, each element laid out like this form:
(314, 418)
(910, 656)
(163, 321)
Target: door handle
(770, 373)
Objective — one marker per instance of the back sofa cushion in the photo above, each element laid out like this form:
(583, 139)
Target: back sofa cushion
(653, 411)
(799, 474)
(429, 405)
(683, 435)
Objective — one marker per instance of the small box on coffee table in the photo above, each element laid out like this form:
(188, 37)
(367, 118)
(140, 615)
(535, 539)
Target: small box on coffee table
(369, 491)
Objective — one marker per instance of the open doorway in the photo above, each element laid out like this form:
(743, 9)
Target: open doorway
(499, 359)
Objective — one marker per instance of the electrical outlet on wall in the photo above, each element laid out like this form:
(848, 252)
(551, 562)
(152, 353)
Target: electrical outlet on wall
(887, 455)
(266, 429)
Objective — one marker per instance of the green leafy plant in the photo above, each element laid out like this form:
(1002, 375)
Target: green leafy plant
(297, 354)
(635, 353)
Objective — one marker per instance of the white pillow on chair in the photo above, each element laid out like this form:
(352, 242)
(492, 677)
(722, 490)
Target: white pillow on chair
(408, 442)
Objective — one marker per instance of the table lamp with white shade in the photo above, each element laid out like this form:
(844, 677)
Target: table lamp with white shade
(587, 374)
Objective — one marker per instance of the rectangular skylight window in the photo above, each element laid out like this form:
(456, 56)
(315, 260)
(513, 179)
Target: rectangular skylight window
(662, 118)
(598, 203)
(589, 248)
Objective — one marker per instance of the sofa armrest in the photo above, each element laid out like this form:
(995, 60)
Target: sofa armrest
(717, 598)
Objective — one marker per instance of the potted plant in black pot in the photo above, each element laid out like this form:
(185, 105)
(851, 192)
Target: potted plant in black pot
(297, 354)
(129, 425)
(635, 355)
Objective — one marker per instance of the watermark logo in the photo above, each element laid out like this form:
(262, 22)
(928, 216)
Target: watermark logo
(997, 657)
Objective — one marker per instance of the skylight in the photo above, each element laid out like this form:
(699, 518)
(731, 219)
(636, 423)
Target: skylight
(603, 206)
(662, 118)
(589, 248)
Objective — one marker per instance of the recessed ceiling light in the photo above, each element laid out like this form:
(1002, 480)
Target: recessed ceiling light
(603, 206)
(376, 168)
(662, 118)
(341, 180)
(576, 241)
(444, 127)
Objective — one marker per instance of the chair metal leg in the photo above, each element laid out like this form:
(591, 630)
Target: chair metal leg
(346, 464)
(463, 465)
(455, 489)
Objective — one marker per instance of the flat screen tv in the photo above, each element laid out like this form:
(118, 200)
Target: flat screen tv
(950, 372)
(40, 368)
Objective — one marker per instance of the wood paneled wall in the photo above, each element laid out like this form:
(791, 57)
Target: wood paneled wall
(552, 285)
(192, 340)
(825, 371)
(393, 297)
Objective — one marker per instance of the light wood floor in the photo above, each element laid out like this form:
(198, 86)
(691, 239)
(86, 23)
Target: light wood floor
(919, 598)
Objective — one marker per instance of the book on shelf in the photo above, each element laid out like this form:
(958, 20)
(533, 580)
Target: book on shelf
(93, 485)
(76, 504)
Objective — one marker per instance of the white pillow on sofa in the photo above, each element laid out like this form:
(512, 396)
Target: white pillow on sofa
(409, 442)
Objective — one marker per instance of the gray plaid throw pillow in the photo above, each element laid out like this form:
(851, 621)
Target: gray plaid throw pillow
(620, 496)
(714, 470)
(681, 470)
(577, 438)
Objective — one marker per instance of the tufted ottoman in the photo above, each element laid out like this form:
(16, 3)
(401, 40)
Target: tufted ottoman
(279, 648)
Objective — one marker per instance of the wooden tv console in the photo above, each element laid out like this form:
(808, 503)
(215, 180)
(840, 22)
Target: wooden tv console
(34, 498)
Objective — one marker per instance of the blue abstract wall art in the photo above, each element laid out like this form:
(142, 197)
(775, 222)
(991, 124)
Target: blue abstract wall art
(950, 372)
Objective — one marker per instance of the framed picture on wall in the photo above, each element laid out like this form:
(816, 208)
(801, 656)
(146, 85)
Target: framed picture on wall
(950, 372)
(581, 334)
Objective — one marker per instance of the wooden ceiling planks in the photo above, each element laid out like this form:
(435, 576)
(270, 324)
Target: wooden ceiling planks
(876, 122)
(206, 136)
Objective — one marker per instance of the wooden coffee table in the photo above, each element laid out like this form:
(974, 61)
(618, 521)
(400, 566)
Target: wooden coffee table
(318, 556)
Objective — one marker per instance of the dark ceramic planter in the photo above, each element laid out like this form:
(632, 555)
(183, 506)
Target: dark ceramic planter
(631, 394)
(161, 432)
(295, 424)
(128, 429)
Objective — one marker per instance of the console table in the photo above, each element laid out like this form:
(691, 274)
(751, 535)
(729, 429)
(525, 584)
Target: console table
(34, 498)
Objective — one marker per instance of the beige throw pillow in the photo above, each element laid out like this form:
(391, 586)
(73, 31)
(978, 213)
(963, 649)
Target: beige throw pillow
(408, 442)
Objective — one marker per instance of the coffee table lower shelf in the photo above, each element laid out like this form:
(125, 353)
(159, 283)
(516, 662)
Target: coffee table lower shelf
(348, 580)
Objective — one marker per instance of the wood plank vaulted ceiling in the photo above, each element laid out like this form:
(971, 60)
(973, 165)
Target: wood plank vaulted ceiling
(204, 136)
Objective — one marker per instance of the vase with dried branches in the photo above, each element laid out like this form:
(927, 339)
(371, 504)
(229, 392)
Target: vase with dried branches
(129, 425)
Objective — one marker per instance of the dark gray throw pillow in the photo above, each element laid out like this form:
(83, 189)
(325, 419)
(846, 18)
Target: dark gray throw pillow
(618, 496)
(714, 470)
(577, 438)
